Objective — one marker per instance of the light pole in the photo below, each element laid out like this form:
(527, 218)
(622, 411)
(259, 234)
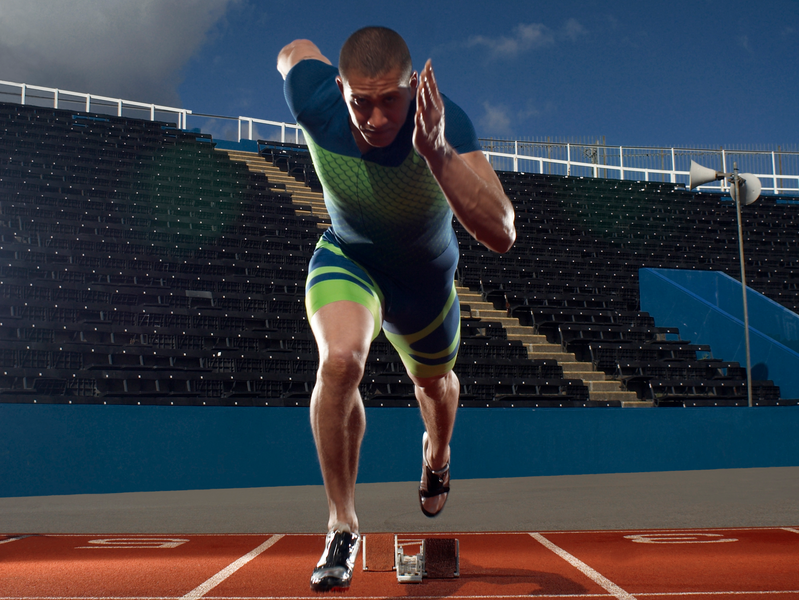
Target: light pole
(744, 187)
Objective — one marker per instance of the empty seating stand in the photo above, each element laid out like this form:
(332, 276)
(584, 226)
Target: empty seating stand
(140, 266)
(573, 275)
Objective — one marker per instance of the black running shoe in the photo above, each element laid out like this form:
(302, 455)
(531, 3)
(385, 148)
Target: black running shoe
(434, 487)
(334, 569)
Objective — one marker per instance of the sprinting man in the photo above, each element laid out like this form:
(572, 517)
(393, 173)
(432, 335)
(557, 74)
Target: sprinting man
(396, 159)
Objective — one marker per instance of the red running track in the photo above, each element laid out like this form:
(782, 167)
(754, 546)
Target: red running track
(740, 564)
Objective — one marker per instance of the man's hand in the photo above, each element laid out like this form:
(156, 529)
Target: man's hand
(296, 51)
(428, 133)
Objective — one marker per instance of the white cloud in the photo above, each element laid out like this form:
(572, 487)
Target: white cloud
(573, 30)
(496, 120)
(500, 120)
(525, 37)
(131, 49)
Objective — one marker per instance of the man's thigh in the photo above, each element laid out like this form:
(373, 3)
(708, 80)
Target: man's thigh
(426, 333)
(337, 281)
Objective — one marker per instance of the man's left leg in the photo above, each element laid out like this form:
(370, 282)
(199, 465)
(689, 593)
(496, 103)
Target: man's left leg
(424, 328)
(438, 401)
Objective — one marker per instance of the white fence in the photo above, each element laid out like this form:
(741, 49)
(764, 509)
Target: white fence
(778, 170)
(90, 102)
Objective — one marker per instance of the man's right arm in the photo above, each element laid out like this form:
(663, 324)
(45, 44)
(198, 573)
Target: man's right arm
(296, 51)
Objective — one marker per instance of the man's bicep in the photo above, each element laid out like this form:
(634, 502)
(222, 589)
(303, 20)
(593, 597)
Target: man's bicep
(297, 51)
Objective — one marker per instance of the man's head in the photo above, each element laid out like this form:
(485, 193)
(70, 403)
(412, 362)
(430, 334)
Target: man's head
(377, 82)
(374, 51)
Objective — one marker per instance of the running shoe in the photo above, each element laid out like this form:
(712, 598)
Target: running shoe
(334, 569)
(434, 487)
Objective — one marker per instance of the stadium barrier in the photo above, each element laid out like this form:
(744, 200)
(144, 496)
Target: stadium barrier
(707, 308)
(777, 169)
(90, 449)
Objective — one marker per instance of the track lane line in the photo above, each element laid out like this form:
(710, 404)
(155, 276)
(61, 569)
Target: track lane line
(592, 574)
(14, 539)
(202, 589)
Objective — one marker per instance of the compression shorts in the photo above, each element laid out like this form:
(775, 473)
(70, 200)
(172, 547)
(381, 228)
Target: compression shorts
(421, 318)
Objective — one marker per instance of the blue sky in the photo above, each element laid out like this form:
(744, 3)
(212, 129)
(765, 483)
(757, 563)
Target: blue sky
(682, 73)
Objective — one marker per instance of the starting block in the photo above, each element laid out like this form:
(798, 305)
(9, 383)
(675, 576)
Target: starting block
(412, 559)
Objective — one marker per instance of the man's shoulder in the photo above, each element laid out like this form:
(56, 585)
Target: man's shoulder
(310, 82)
(459, 130)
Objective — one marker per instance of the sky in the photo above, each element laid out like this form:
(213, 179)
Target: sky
(698, 73)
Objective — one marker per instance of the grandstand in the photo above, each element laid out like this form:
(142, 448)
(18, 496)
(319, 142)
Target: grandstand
(141, 263)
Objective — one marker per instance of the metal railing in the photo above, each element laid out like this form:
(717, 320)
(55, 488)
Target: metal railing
(249, 123)
(777, 169)
(90, 102)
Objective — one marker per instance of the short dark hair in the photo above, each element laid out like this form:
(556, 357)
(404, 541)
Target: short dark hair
(374, 51)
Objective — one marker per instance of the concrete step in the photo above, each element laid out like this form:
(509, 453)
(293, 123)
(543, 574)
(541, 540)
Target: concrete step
(637, 403)
(559, 357)
(592, 376)
(307, 201)
(576, 366)
(606, 386)
(620, 396)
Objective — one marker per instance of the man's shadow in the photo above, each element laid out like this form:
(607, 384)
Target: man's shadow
(526, 582)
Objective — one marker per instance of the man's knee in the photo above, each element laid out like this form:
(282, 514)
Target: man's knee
(437, 387)
(342, 366)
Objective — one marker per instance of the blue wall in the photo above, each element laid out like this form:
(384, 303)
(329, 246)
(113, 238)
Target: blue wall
(77, 449)
(707, 307)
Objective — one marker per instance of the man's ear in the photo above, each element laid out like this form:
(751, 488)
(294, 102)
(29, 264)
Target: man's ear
(340, 84)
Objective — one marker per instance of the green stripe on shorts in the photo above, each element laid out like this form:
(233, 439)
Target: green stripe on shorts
(327, 291)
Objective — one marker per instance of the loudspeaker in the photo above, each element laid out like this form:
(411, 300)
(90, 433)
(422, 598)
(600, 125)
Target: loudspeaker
(699, 175)
(750, 188)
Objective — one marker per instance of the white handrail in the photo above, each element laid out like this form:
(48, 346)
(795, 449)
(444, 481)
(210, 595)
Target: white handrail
(521, 154)
(181, 113)
(672, 174)
(283, 126)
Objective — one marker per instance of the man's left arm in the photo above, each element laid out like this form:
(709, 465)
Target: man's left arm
(470, 184)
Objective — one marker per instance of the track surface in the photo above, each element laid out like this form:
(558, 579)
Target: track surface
(742, 564)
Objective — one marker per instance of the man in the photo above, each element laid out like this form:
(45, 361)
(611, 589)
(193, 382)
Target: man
(393, 172)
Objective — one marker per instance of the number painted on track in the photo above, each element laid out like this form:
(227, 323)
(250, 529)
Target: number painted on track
(133, 543)
(679, 538)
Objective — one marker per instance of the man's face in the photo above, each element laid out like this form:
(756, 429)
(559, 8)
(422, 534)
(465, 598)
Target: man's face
(378, 106)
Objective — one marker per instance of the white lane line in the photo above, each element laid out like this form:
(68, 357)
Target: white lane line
(14, 539)
(595, 576)
(791, 593)
(202, 589)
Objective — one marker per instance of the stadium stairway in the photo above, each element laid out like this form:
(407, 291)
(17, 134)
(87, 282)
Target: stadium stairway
(306, 200)
(599, 387)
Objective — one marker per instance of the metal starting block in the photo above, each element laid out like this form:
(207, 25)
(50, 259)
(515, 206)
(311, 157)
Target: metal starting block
(413, 559)
(410, 567)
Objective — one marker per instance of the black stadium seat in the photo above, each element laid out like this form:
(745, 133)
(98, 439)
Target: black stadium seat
(140, 265)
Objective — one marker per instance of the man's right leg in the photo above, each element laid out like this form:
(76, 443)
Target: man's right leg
(343, 332)
(344, 307)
